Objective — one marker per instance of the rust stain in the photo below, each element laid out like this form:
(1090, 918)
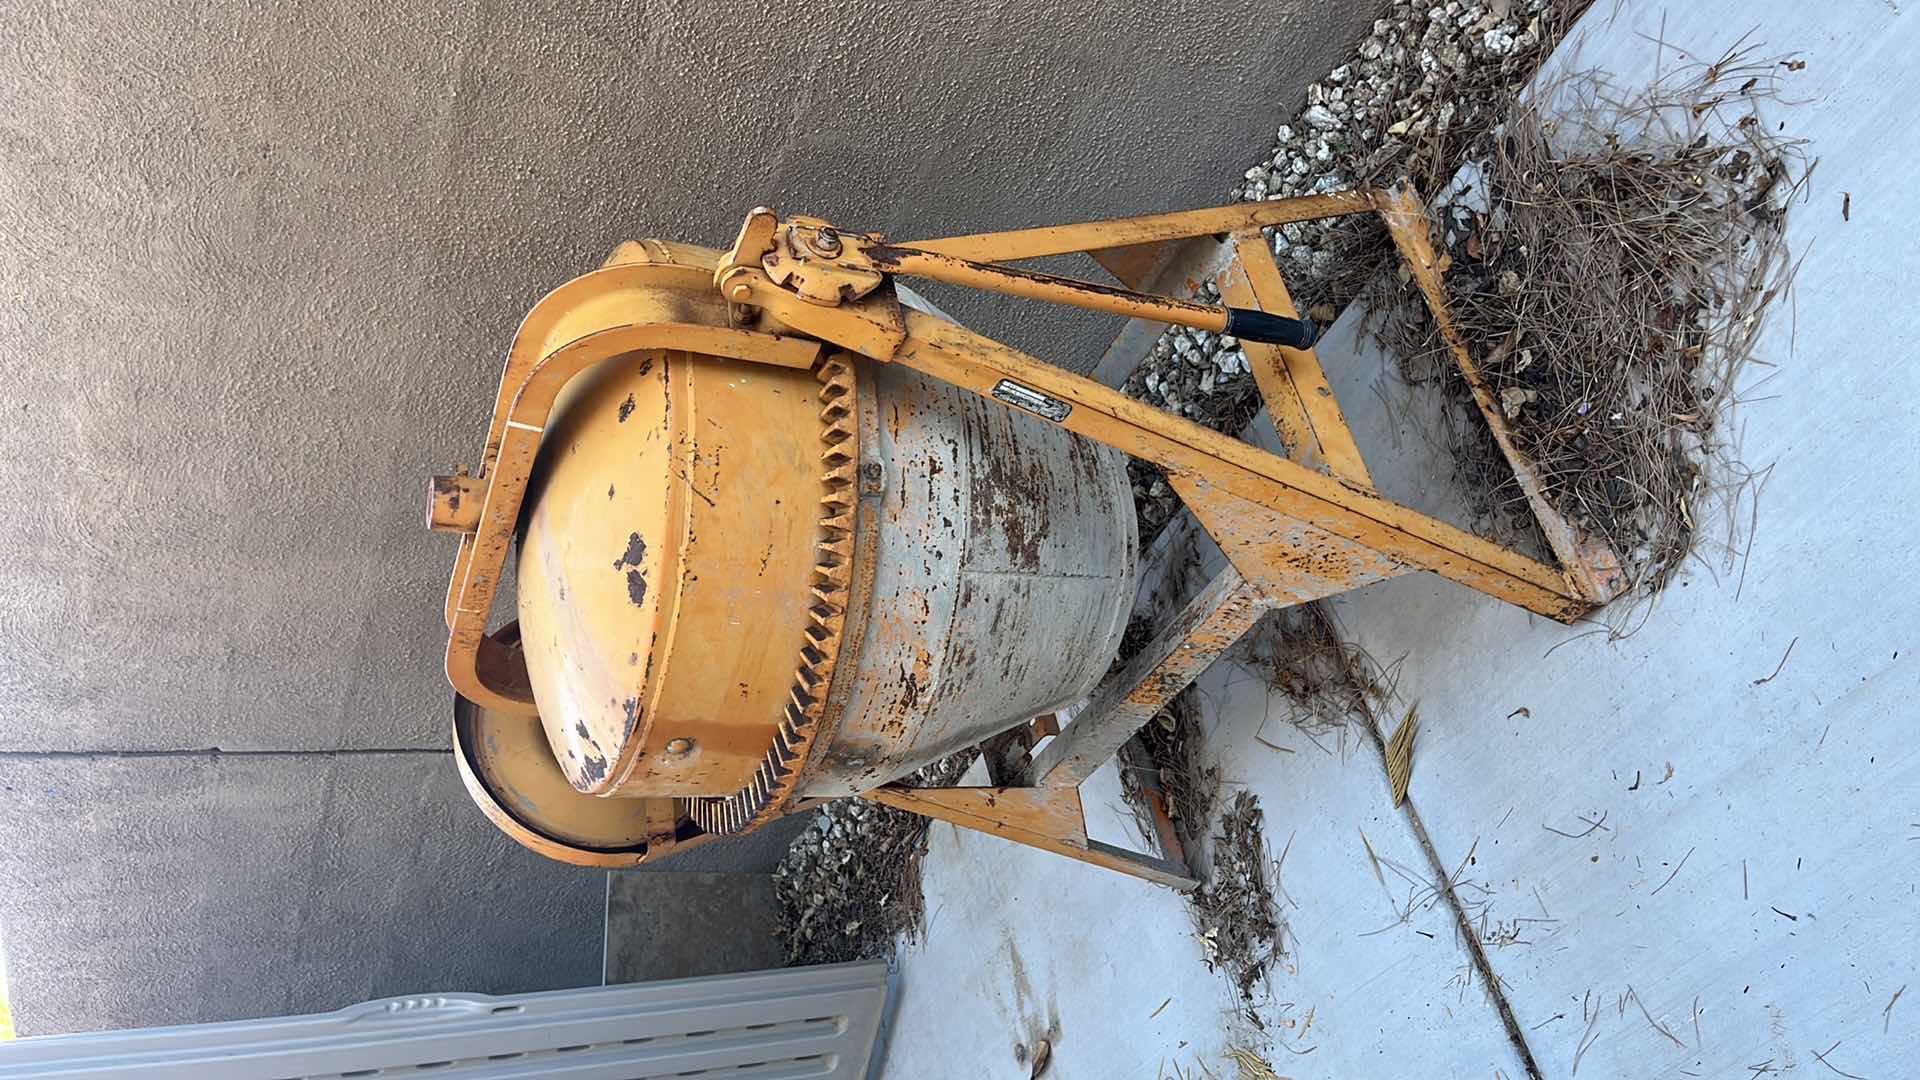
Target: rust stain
(1008, 496)
(910, 683)
(447, 486)
(626, 408)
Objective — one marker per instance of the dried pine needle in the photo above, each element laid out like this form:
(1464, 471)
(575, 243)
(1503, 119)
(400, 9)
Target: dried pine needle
(1252, 1065)
(1400, 755)
(1235, 916)
(1612, 265)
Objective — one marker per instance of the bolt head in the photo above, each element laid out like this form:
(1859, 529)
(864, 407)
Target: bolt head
(825, 241)
(679, 747)
(740, 292)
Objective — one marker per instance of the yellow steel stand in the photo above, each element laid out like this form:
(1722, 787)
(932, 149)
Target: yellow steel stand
(1294, 528)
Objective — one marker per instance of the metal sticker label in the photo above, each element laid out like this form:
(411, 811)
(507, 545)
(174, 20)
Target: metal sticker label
(1031, 400)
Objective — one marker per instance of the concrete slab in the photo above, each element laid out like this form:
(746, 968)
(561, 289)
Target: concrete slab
(1020, 943)
(671, 925)
(1749, 884)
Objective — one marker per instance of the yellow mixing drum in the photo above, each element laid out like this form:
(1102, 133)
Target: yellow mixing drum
(741, 585)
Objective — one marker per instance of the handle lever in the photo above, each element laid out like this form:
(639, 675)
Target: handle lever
(1248, 324)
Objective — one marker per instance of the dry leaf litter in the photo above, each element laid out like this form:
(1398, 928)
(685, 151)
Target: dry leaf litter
(1612, 264)
(1656, 247)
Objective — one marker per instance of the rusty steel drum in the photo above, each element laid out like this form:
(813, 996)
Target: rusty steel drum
(742, 585)
(1003, 577)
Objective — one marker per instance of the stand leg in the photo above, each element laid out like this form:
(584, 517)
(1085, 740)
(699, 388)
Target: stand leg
(1050, 819)
(1208, 626)
(1593, 566)
(1291, 381)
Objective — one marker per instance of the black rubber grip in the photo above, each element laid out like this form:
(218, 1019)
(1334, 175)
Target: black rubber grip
(1250, 325)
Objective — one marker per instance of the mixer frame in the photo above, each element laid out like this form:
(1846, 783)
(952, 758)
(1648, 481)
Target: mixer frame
(1293, 529)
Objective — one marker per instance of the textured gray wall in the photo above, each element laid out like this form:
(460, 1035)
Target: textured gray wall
(258, 266)
(172, 889)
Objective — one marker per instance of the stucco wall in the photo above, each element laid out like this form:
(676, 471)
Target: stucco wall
(258, 264)
(172, 889)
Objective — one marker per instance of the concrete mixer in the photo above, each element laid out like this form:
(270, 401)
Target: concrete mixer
(777, 537)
